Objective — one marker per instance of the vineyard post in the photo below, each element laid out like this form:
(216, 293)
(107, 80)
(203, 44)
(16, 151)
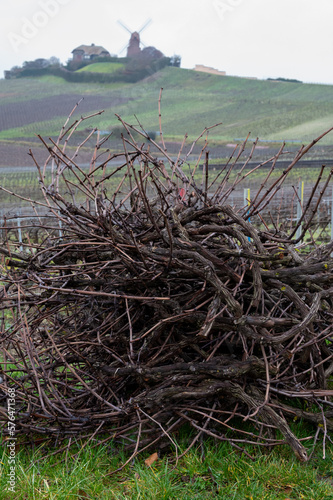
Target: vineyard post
(332, 219)
(300, 196)
(332, 215)
(60, 226)
(19, 230)
(247, 201)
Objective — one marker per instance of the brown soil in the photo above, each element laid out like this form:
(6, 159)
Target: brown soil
(16, 153)
(19, 114)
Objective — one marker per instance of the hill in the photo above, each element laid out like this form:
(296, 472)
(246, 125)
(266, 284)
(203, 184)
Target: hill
(102, 67)
(271, 110)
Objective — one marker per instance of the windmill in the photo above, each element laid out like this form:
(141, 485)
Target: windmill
(133, 47)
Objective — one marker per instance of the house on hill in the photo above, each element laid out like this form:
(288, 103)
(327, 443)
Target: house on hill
(89, 52)
(208, 69)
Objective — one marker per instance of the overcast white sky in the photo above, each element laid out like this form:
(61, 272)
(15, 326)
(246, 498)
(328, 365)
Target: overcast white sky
(261, 38)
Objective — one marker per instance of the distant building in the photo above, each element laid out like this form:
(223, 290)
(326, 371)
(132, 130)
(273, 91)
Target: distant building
(89, 52)
(151, 53)
(207, 69)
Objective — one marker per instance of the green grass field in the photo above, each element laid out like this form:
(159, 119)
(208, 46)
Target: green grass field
(273, 111)
(104, 67)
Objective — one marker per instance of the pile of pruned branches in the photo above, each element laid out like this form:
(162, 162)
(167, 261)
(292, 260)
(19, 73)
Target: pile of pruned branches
(148, 301)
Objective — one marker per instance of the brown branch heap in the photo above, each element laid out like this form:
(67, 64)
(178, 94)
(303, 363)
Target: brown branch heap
(148, 301)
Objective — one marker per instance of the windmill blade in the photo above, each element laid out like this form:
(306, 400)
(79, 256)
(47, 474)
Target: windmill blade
(122, 50)
(146, 24)
(124, 26)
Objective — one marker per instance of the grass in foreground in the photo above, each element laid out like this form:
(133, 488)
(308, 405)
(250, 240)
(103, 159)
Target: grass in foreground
(208, 471)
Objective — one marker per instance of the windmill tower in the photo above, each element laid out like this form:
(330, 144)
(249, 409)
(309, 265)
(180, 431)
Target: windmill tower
(133, 47)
